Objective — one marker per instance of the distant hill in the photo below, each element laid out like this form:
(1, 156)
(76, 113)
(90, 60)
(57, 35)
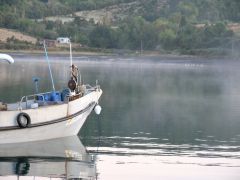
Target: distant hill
(203, 10)
(185, 26)
(7, 34)
(111, 14)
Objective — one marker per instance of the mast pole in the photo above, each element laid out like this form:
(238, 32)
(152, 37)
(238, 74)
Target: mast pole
(70, 46)
(49, 67)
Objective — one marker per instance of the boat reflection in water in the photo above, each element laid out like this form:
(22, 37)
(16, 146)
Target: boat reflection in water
(63, 158)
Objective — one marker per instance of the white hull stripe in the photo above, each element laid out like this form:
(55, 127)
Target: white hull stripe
(92, 104)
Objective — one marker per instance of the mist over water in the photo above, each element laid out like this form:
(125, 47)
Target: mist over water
(160, 114)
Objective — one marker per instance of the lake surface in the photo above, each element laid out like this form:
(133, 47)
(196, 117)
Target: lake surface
(163, 117)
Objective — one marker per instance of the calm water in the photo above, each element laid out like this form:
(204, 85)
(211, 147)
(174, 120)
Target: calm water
(162, 118)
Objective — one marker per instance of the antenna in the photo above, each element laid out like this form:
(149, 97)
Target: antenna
(49, 67)
(70, 46)
(36, 80)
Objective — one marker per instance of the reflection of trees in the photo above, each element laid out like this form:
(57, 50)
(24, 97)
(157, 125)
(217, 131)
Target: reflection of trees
(176, 103)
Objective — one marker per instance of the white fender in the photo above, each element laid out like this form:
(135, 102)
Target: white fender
(97, 109)
(7, 58)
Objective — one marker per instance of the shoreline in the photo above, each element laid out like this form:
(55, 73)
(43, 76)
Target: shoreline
(55, 52)
(107, 52)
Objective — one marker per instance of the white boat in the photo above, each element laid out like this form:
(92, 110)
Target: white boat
(62, 158)
(48, 115)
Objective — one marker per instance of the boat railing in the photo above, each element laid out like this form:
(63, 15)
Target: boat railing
(25, 99)
(90, 88)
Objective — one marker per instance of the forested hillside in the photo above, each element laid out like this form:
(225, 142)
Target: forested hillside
(187, 26)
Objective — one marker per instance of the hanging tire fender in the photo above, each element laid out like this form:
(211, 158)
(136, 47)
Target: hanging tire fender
(72, 84)
(23, 120)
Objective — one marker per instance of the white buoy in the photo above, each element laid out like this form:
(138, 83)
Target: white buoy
(7, 58)
(97, 109)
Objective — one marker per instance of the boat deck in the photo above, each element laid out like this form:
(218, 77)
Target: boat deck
(31, 104)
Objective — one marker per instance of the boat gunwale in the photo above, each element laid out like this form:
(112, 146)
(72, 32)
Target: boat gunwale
(90, 105)
(47, 105)
(39, 107)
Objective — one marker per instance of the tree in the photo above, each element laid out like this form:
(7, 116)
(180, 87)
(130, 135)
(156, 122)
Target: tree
(167, 39)
(189, 10)
(187, 37)
(103, 37)
(136, 33)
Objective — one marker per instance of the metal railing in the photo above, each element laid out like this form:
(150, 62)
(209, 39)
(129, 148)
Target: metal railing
(26, 99)
(32, 96)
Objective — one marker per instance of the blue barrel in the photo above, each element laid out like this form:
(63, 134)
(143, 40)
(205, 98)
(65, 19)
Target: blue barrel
(40, 97)
(47, 97)
(55, 96)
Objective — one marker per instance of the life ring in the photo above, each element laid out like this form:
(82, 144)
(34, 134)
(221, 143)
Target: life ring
(23, 120)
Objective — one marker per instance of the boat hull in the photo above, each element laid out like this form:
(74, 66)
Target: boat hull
(56, 122)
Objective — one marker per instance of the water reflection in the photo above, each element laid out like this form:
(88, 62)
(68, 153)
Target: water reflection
(159, 115)
(170, 100)
(64, 158)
